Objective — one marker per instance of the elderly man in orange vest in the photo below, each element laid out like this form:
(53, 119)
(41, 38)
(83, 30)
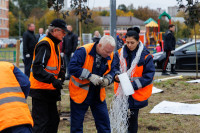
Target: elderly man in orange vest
(92, 70)
(45, 85)
(15, 116)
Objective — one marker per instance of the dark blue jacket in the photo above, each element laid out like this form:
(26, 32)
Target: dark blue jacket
(23, 81)
(120, 43)
(147, 75)
(75, 69)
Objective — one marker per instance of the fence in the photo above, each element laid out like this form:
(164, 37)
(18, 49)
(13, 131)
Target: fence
(8, 56)
(11, 56)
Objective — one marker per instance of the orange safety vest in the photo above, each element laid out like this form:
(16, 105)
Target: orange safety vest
(14, 110)
(141, 94)
(53, 67)
(78, 93)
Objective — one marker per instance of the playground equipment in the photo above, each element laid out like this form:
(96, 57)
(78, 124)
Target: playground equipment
(154, 36)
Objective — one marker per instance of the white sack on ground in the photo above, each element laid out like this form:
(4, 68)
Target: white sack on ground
(156, 90)
(194, 81)
(177, 108)
(126, 84)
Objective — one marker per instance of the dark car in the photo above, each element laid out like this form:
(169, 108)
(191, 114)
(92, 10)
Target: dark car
(185, 57)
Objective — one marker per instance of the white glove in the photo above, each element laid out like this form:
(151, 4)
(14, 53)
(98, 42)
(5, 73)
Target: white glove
(72, 54)
(105, 82)
(27, 55)
(95, 79)
(62, 54)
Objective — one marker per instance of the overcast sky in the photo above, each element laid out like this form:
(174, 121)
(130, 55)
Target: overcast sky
(153, 4)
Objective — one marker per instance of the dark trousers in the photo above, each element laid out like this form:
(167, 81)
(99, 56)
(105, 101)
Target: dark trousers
(27, 65)
(45, 116)
(133, 121)
(67, 59)
(18, 129)
(99, 112)
(168, 53)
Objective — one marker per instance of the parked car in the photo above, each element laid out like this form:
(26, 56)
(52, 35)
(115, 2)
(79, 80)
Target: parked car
(180, 42)
(185, 57)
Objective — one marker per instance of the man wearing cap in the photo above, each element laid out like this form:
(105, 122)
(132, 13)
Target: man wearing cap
(44, 77)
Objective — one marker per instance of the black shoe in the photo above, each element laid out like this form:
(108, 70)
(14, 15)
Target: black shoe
(165, 73)
(173, 72)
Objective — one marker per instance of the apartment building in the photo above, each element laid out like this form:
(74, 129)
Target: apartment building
(4, 19)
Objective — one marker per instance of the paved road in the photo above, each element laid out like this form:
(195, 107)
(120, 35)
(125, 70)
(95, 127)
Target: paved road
(179, 73)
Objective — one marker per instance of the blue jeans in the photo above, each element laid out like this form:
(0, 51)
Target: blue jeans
(18, 129)
(99, 112)
(27, 65)
(67, 59)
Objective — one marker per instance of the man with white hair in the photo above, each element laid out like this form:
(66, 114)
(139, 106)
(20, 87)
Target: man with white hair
(92, 70)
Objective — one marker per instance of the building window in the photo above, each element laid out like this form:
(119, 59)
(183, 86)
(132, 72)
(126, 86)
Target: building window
(0, 32)
(4, 32)
(4, 22)
(0, 11)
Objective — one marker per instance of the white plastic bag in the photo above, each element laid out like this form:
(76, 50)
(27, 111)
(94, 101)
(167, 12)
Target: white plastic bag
(126, 84)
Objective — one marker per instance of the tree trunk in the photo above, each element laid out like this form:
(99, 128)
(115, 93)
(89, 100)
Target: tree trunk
(196, 53)
(80, 26)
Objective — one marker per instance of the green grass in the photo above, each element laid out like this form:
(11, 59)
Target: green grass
(176, 90)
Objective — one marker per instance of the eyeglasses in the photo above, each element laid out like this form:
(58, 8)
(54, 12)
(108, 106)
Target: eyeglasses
(64, 32)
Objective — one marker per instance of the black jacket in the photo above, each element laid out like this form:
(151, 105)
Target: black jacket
(70, 42)
(29, 42)
(169, 41)
(42, 55)
(96, 39)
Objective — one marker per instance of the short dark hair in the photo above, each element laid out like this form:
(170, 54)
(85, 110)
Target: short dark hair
(30, 24)
(170, 26)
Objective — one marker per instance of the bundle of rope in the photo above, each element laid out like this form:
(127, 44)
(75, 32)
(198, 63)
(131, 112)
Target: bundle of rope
(119, 105)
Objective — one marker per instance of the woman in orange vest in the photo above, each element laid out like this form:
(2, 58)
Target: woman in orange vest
(135, 59)
(15, 116)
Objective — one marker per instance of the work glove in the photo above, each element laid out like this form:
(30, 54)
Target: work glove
(105, 82)
(62, 54)
(57, 84)
(95, 79)
(62, 75)
(27, 55)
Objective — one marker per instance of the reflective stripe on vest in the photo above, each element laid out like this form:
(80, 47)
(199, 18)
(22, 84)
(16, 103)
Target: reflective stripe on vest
(52, 67)
(12, 99)
(141, 94)
(79, 88)
(86, 87)
(14, 110)
(10, 89)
